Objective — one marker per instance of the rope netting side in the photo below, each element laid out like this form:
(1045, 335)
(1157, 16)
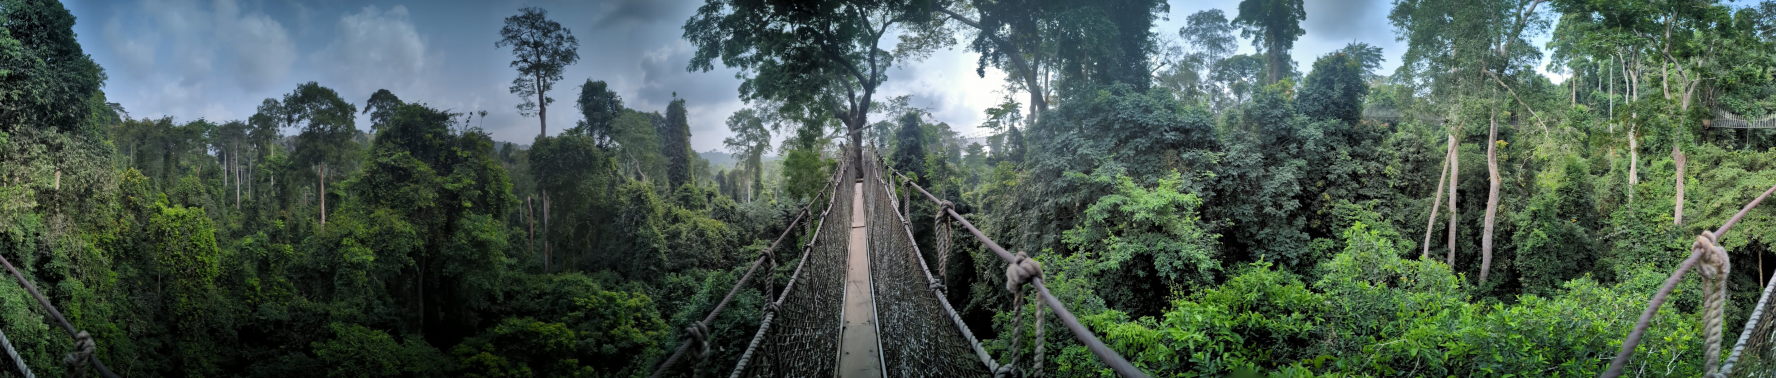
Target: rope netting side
(799, 333)
(1022, 271)
(697, 334)
(922, 334)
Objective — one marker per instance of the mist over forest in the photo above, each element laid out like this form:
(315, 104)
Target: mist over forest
(1065, 188)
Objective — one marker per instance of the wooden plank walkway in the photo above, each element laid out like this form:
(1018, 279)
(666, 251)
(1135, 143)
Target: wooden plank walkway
(859, 347)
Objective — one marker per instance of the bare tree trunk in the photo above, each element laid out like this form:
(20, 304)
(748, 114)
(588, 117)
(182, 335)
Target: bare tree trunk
(1633, 161)
(1437, 199)
(323, 194)
(1454, 178)
(1492, 197)
(542, 108)
(1677, 156)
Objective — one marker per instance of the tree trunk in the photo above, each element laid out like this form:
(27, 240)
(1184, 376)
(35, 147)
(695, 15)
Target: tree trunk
(323, 194)
(1633, 162)
(1677, 156)
(542, 108)
(1437, 199)
(1492, 197)
(1454, 176)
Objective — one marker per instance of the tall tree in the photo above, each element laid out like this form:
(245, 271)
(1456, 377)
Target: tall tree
(824, 57)
(750, 140)
(600, 107)
(1273, 26)
(381, 106)
(541, 48)
(675, 144)
(46, 78)
(328, 126)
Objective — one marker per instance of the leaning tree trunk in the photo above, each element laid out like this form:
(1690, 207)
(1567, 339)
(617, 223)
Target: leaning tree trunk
(1454, 176)
(1492, 198)
(1437, 199)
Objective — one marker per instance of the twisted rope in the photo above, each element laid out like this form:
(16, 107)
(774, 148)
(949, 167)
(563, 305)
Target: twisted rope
(1752, 325)
(1715, 267)
(941, 226)
(24, 370)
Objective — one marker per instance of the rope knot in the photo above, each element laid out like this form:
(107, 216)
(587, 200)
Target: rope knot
(1714, 257)
(937, 287)
(772, 307)
(1006, 371)
(946, 204)
(1021, 271)
(83, 350)
(698, 335)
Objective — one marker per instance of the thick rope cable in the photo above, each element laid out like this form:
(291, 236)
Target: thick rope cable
(1751, 325)
(24, 370)
(83, 343)
(1646, 316)
(1715, 268)
(941, 227)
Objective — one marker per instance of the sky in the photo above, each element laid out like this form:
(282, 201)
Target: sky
(218, 59)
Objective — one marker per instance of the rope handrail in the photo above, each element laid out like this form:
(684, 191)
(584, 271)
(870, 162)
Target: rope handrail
(83, 343)
(1697, 253)
(802, 262)
(1110, 357)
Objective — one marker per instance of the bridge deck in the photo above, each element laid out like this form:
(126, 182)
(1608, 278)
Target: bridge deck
(859, 347)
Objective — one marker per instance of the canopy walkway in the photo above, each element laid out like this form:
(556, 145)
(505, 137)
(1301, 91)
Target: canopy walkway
(861, 300)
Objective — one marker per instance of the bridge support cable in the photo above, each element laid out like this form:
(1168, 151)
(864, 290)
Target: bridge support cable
(698, 331)
(923, 337)
(1032, 272)
(1707, 252)
(84, 349)
(799, 333)
(24, 370)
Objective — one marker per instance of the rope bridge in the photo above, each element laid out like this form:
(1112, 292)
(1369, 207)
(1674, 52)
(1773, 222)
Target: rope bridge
(918, 331)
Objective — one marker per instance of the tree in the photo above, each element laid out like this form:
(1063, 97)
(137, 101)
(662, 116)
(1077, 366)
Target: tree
(327, 130)
(47, 81)
(909, 147)
(1273, 26)
(750, 140)
(825, 57)
(380, 106)
(541, 48)
(600, 107)
(675, 144)
(1335, 88)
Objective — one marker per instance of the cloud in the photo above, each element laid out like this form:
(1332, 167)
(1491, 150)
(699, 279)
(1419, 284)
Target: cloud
(376, 49)
(261, 47)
